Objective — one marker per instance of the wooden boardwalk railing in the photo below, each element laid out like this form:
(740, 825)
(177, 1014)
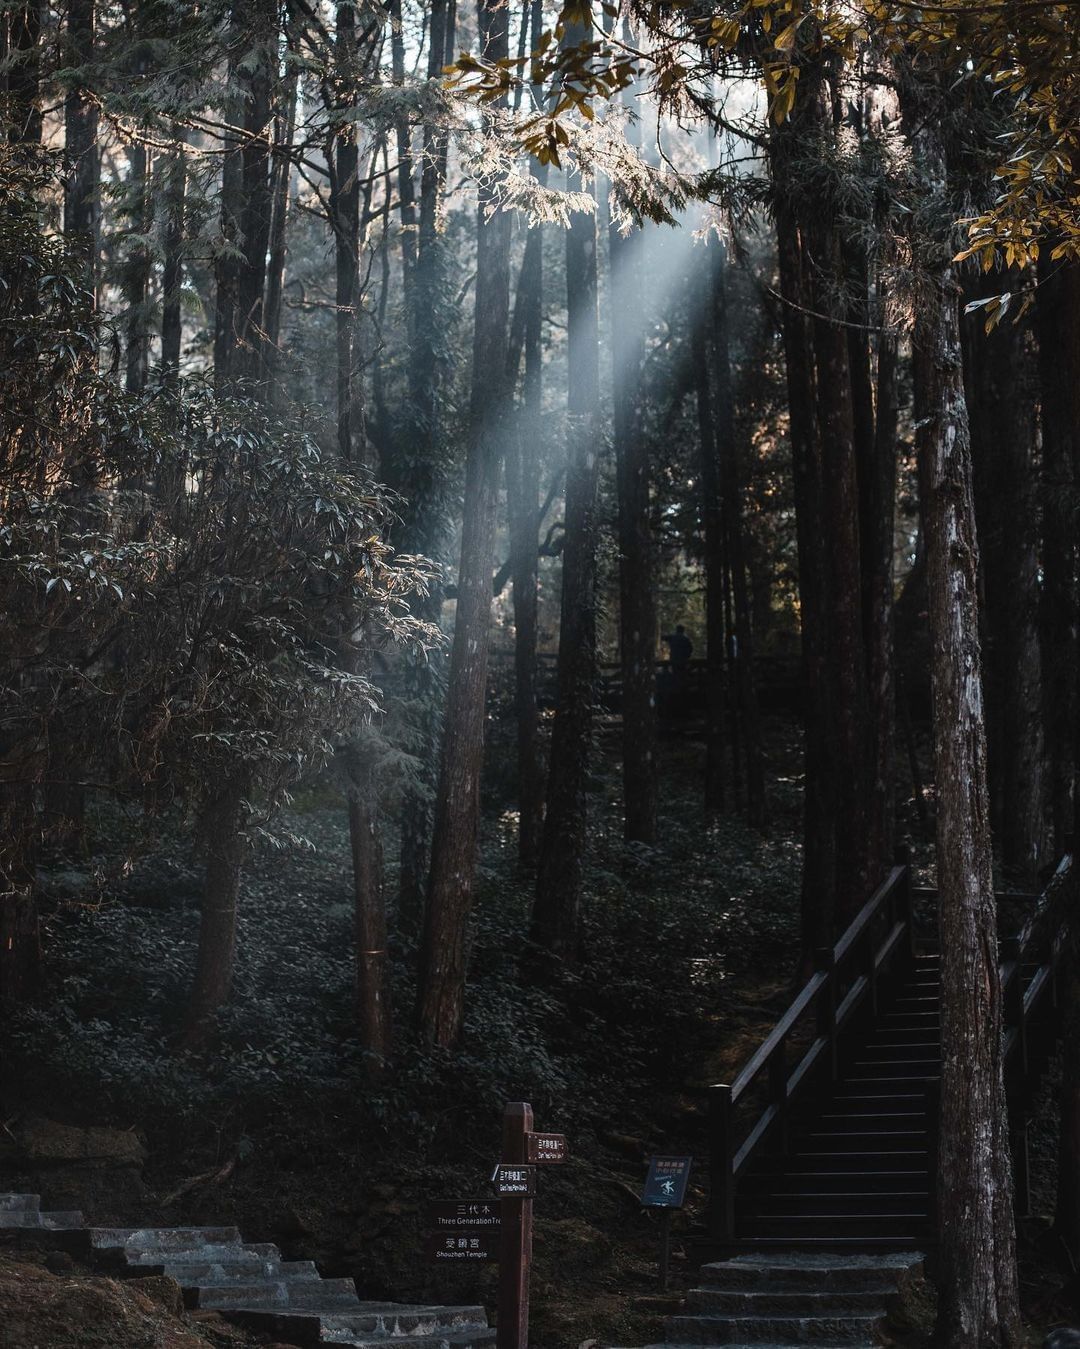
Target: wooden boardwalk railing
(803, 1053)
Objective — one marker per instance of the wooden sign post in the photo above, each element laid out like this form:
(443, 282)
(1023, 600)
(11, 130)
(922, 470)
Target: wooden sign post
(665, 1189)
(515, 1248)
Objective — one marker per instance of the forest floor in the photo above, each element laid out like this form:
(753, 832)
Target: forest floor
(687, 960)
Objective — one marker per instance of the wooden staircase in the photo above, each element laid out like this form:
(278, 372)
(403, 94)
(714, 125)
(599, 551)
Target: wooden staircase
(858, 1159)
(826, 1140)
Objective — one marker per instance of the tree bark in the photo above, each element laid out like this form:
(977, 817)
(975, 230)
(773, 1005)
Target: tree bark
(820, 787)
(441, 996)
(82, 197)
(1001, 379)
(417, 471)
(138, 267)
(556, 907)
(258, 21)
(523, 487)
(172, 271)
(1058, 325)
(222, 826)
(978, 1305)
(741, 674)
(284, 133)
(712, 521)
(637, 553)
(856, 873)
(24, 75)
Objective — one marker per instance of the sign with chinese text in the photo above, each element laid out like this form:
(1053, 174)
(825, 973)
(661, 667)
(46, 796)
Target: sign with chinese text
(477, 1214)
(545, 1147)
(665, 1185)
(512, 1179)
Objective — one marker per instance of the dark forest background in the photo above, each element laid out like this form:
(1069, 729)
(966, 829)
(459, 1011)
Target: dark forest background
(509, 516)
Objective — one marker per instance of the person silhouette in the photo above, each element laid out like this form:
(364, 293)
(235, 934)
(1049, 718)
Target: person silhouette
(680, 647)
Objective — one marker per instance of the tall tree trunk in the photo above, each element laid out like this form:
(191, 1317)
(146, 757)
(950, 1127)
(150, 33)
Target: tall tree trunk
(523, 487)
(712, 519)
(855, 871)
(1058, 326)
(256, 76)
(877, 516)
(731, 476)
(20, 936)
(441, 996)
(222, 824)
(556, 908)
(137, 271)
(172, 269)
(343, 160)
(1000, 378)
(24, 74)
(82, 197)
(637, 553)
(978, 1305)
(420, 474)
(820, 787)
(284, 134)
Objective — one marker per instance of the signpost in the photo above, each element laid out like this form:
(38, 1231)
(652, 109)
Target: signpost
(665, 1189)
(545, 1147)
(515, 1180)
(464, 1231)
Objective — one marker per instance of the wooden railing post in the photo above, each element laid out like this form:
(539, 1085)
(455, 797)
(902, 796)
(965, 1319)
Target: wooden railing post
(778, 1093)
(825, 963)
(906, 897)
(1021, 1166)
(933, 1149)
(1012, 998)
(721, 1171)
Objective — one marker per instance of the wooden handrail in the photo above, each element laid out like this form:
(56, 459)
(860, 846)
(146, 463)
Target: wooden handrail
(847, 974)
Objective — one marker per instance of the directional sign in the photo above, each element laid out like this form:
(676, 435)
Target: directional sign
(545, 1147)
(665, 1185)
(463, 1247)
(467, 1214)
(513, 1179)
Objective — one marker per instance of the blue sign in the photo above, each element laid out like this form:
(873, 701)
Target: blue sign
(665, 1185)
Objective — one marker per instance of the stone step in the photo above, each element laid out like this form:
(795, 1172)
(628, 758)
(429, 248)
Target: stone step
(30, 1220)
(791, 1271)
(772, 1302)
(163, 1240)
(479, 1336)
(857, 1329)
(790, 1200)
(371, 1323)
(227, 1254)
(20, 1203)
(314, 1295)
(209, 1273)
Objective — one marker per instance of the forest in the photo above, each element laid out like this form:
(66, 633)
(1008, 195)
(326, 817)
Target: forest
(539, 561)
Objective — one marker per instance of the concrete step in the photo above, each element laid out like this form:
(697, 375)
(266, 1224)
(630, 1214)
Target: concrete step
(209, 1273)
(20, 1203)
(315, 1295)
(769, 1302)
(791, 1271)
(31, 1220)
(162, 1241)
(394, 1323)
(854, 1330)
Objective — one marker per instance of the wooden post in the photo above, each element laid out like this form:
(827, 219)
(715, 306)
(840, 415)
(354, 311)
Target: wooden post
(515, 1250)
(902, 858)
(933, 1133)
(665, 1248)
(1013, 1000)
(825, 961)
(721, 1151)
